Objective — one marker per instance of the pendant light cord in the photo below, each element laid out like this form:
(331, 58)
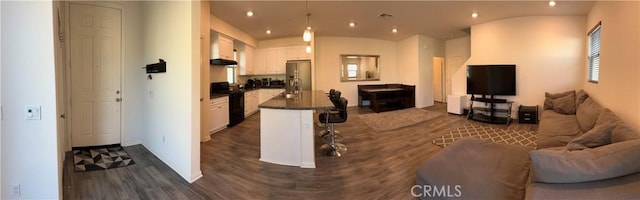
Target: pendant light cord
(306, 9)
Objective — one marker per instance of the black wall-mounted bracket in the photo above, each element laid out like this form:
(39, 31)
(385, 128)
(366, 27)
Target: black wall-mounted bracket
(160, 67)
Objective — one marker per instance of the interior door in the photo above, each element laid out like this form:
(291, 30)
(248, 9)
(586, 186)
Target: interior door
(438, 80)
(95, 64)
(452, 65)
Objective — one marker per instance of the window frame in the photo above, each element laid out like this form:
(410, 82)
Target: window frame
(355, 71)
(591, 69)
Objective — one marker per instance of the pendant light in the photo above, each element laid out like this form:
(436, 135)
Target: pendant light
(306, 36)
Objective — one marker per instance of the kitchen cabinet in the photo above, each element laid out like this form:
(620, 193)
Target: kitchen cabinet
(218, 114)
(297, 53)
(251, 101)
(247, 60)
(275, 60)
(221, 47)
(266, 94)
(260, 62)
(269, 61)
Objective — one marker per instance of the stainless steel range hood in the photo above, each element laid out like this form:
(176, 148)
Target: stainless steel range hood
(222, 62)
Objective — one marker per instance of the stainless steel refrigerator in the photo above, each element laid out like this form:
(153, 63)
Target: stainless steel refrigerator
(304, 72)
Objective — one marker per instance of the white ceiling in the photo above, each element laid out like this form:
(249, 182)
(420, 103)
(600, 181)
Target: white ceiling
(438, 19)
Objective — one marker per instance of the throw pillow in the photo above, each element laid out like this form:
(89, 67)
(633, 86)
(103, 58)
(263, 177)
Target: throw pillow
(483, 170)
(548, 97)
(565, 105)
(621, 131)
(580, 97)
(608, 161)
(597, 136)
(587, 114)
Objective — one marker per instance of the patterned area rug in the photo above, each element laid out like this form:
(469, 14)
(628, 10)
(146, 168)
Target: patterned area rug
(397, 119)
(497, 135)
(100, 157)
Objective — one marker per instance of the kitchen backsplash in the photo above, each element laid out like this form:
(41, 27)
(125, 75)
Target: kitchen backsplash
(243, 79)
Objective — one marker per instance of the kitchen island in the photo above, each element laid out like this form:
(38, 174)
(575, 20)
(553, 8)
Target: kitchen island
(286, 128)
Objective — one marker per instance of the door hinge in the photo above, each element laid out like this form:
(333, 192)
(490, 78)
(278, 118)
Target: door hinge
(1, 113)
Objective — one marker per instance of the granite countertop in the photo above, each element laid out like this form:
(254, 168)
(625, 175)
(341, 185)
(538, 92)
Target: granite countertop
(306, 100)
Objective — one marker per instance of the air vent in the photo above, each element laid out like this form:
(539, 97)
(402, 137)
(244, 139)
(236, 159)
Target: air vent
(385, 16)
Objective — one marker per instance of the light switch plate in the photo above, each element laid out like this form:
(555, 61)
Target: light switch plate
(32, 112)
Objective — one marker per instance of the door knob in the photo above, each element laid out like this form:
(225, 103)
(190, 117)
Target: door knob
(118, 99)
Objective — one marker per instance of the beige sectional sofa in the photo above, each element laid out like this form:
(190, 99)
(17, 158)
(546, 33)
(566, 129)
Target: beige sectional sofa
(584, 152)
(607, 170)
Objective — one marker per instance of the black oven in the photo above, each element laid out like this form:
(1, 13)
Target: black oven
(236, 101)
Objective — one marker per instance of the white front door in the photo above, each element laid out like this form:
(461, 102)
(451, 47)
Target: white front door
(95, 38)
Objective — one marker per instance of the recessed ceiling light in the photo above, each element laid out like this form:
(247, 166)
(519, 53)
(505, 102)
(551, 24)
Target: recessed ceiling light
(249, 13)
(268, 31)
(352, 24)
(394, 30)
(474, 15)
(552, 3)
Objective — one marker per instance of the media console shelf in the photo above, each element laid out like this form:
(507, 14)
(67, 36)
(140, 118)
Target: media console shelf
(497, 111)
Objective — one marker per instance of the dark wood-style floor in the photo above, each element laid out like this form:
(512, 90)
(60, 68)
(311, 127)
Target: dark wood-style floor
(377, 165)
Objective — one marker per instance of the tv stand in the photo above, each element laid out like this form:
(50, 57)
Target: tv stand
(489, 112)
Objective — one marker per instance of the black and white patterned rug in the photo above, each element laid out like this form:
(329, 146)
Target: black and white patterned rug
(100, 157)
(497, 135)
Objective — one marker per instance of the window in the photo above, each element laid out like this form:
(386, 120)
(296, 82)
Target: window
(593, 69)
(231, 69)
(352, 70)
(231, 74)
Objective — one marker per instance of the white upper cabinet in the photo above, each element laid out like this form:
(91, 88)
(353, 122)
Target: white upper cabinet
(259, 65)
(246, 64)
(221, 46)
(273, 60)
(297, 53)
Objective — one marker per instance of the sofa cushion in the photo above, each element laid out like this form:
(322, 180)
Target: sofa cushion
(556, 130)
(608, 161)
(621, 130)
(548, 105)
(597, 136)
(587, 114)
(565, 105)
(482, 169)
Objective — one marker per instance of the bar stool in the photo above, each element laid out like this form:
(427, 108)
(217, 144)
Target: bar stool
(334, 97)
(333, 148)
(330, 94)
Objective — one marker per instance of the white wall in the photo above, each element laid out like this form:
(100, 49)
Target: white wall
(327, 62)
(171, 101)
(415, 65)
(281, 42)
(29, 147)
(428, 49)
(619, 86)
(549, 53)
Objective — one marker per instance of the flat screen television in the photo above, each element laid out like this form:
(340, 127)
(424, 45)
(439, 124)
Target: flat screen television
(491, 79)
